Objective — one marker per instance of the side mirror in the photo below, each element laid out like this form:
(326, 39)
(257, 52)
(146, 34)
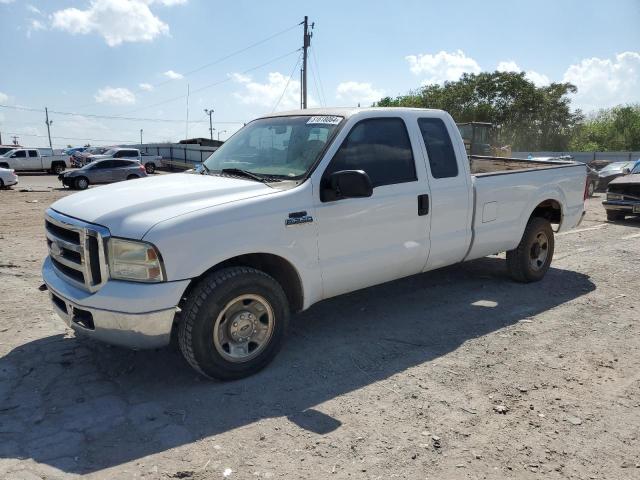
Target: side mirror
(626, 171)
(348, 184)
(13, 156)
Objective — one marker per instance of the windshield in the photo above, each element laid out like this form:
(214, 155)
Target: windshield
(282, 147)
(636, 169)
(111, 152)
(613, 166)
(8, 154)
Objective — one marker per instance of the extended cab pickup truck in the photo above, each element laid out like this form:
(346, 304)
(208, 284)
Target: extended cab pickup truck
(294, 208)
(150, 162)
(31, 159)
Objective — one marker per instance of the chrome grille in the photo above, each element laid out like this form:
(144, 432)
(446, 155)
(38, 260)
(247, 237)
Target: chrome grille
(77, 250)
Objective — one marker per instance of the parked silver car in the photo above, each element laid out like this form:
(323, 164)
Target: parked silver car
(103, 171)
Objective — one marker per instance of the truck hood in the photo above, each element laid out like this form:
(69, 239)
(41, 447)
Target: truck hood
(129, 209)
(627, 179)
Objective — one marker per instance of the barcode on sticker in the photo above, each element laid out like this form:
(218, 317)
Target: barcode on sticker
(325, 119)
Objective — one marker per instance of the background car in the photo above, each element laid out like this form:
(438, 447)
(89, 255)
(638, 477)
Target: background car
(103, 171)
(611, 171)
(80, 159)
(7, 177)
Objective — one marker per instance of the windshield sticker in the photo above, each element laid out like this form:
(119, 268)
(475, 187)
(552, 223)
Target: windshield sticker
(325, 120)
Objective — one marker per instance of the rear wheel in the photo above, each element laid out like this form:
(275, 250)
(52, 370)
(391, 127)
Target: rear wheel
(149, 167)
(57, 168)
(234, 323)
(614, 216)
(81, 183)
(532, 257)
(4, 165)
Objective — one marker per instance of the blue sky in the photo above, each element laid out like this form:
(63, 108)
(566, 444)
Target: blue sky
(115, 57)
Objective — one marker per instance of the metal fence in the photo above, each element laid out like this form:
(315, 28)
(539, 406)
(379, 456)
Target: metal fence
(177, 155)
(586, 157)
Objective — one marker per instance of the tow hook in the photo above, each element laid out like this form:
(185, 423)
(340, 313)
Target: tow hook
(43, 287)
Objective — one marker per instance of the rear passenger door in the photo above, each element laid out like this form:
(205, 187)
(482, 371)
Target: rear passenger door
(32, 161)
(451, 193)
(366, 241)
(101, 172)
(120, 170)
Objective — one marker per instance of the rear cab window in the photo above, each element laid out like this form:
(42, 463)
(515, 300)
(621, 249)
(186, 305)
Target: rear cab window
(437, 141)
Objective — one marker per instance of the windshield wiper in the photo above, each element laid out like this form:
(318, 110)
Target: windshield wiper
(205, 168)
(246, 173)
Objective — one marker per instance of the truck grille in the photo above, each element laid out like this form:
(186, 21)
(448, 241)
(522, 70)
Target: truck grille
(77, 250)
(630, 191)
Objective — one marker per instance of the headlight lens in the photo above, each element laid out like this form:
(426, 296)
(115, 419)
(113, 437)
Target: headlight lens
(614, 196)
(134, 261)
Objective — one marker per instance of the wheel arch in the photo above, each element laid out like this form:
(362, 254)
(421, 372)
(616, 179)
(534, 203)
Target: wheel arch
(281, 269)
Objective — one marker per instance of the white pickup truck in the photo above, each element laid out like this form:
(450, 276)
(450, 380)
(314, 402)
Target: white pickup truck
(294, 208)
(150, 162)
(31, 159)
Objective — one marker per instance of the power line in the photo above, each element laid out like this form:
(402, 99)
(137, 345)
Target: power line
(72, 138)
(317, 69)
(215, 62)
(315, 82)
(288, 80)
(214, 84)
(106, 117)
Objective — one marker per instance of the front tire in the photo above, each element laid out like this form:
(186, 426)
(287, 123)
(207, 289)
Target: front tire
(81, 183)
(233, 323)
(531, 259)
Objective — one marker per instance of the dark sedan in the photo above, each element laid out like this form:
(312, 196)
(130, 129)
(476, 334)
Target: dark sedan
(623, 196)
(612, 171)
(103, 171)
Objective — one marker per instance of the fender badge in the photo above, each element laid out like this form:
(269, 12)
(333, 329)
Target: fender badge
(297, 218)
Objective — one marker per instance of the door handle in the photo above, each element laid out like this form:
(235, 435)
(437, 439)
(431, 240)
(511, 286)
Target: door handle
(423, 204)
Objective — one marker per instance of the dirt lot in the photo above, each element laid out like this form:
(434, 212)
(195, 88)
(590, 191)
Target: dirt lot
(458, 373)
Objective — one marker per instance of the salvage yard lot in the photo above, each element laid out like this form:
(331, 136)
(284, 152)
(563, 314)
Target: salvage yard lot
(458, 373)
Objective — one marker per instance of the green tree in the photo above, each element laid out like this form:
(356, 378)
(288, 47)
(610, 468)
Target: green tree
(611, 129)
(527, 117)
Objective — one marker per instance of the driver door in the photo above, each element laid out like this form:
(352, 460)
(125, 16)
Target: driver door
(367, 241)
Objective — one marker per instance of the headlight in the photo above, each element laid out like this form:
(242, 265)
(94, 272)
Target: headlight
(614, 196)
(134, 261)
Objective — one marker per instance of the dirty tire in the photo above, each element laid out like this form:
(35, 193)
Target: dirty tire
(615, 216)
(519, 260)
(149, 167)
(204, 305)
(81, 183)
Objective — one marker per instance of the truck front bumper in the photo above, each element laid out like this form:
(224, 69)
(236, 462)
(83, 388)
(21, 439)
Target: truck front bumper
(623, 206)
(146, 322)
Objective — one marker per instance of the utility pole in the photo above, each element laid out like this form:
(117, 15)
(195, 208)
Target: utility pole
(15, 140)
(219, 132)
(48, 122)
(140, 136)
(305, 45)
(211, 129)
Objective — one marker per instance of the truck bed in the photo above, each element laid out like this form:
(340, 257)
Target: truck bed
(482, 165)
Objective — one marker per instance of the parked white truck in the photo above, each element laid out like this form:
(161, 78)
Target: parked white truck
(150, 162)
(31, 159)
(294, 208)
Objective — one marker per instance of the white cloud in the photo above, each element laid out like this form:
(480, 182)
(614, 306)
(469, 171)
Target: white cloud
(173, 75)
(539, 79)
(117, 21)
(147, 87)
(6, 2)
(358, 92)
(115, 96)
(443, 66)
(34, 26)
(4, 98)
(269, 93)
(605, 82)
(33, 9)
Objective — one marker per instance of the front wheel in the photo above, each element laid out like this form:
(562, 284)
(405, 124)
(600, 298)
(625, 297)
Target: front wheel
(81, 183)
(233, 323)
(531, 259)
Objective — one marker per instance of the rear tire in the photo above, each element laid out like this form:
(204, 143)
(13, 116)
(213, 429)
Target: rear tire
(531, 259)
(614, 216)
(81, 183)
(150, 168)
(4, 165)
(233, 323)
(57, 168)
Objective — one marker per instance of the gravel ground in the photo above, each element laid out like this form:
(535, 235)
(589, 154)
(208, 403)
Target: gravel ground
(457, 373)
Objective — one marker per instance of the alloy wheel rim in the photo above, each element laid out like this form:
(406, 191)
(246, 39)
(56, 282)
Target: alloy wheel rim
(243, 328)
(539, 251)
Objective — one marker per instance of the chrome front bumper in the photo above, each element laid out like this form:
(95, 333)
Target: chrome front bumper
(147, 324)
(622, 206)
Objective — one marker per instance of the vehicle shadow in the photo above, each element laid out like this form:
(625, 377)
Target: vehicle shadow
(628, 222)
(81, 406)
